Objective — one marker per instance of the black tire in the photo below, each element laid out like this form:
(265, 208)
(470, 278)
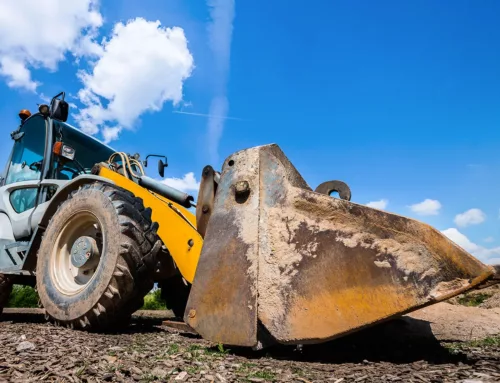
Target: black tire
(128, 258)
(175, 293)
(5, 290)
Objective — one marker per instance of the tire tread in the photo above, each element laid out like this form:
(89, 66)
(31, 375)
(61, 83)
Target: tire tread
(133, 275)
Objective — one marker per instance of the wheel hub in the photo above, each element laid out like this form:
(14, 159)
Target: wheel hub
(85, 253)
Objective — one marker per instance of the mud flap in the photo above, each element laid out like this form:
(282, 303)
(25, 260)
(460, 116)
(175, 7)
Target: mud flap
(304, 267)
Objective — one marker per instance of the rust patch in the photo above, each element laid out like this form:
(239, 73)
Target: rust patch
(206, 197)
(181, 326)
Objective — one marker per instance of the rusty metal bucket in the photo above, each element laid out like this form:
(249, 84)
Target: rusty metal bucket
(281, 262)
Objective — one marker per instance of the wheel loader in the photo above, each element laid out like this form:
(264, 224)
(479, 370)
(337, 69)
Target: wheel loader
(260, 258)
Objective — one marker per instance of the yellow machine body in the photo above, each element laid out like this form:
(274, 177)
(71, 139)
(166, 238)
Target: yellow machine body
(177, 225)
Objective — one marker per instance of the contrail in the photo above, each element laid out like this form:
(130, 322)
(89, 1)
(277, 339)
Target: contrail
(208, 115)
(220, 34)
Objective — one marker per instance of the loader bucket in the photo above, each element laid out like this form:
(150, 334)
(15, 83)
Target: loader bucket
(282, 262)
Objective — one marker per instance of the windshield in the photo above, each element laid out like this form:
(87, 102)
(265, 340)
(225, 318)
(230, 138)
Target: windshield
(88, 152)
(28, 152)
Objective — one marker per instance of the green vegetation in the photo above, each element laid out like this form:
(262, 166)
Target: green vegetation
(473, 299)
(194, 348)
(491, 341)
(153, 301)
(263, 374)
(221, 349)
(247, 366)
(23, 297)
(193, 370)
(27, 297)
(172, 349)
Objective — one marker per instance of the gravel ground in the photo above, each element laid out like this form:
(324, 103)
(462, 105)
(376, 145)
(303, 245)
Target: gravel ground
(149, 352)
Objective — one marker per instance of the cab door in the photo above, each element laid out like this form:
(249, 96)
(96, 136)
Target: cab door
(21, 186)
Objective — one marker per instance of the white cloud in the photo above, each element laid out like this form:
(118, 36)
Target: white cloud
(220, 36)
(38, 34)
(18, 76)
(484, 254)
(489, 239)
(185, 184)
(142, 66)
(470, 217)
(110, 133)
(381, 205)
(426, 207)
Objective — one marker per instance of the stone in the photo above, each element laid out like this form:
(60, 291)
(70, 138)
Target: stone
(25, 346)
(181, 376)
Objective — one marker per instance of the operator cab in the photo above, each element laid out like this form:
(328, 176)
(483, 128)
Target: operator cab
(47, 153)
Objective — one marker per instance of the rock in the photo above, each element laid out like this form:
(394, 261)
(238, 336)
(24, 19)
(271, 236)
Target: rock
(110, 359)
(160, 373)
(182, 375)
(209, 377)
(136, 370)
(221, 378)
(25, 346)
(256, 380)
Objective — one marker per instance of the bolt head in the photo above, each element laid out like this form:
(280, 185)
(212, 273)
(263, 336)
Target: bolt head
(192, 313)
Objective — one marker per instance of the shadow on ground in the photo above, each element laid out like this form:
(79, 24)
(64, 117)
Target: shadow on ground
(404, 340)
(140, 323)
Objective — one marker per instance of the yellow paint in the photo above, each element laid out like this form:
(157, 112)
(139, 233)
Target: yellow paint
(173, 230)
(330, 313)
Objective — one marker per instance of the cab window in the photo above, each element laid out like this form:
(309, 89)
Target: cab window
(88, 152)
(27, 155)
(23, 199)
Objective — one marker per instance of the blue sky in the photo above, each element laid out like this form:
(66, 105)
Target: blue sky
(399, 99)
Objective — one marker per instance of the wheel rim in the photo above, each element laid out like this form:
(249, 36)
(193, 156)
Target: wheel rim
(69, 279)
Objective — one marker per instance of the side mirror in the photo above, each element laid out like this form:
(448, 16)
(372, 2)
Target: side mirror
(16, 135)
(161, 164)
(161, 168)
(59, 108)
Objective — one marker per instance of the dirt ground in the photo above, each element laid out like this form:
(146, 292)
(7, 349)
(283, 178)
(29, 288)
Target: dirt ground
(494, 300)
(411, 349)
